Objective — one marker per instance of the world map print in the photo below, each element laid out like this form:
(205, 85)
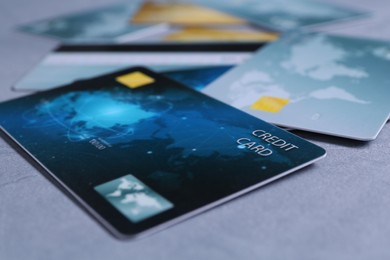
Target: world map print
(132, 198)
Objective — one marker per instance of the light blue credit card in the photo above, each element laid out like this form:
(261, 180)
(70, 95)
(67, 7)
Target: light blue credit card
(284, 15)
(316, 82)
(102, 25)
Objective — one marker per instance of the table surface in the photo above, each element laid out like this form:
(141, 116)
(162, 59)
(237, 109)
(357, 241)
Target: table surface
(338, 208)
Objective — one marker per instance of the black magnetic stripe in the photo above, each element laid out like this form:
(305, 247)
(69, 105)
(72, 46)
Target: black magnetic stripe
(246, 47)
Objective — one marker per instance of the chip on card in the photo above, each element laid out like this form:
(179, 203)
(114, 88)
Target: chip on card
(270, 104)
(135, 79)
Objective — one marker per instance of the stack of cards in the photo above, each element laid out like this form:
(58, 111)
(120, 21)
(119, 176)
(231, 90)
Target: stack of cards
(189, 21)
(142, 150)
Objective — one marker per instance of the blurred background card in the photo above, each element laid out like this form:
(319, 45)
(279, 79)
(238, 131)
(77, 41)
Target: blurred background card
(107, 24)
(200, 63)
(156, 21)
(282, 15)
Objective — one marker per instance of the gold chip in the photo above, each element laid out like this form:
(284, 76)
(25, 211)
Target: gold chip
(270, 104)
(135, 79)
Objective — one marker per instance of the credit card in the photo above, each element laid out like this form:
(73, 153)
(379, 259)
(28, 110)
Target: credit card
(316, 82)
(140, 151)
(109, 24)
(69, 63)
(283, 15)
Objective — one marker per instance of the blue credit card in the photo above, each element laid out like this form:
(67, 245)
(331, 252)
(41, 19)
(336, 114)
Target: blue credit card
(140, 150)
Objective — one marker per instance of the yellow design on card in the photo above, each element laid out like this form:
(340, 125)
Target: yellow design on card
(270, 104)
(181, 14)
(210, 34)
(135, 79)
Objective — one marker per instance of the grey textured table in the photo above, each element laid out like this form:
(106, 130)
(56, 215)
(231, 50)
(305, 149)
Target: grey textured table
(337, 209)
